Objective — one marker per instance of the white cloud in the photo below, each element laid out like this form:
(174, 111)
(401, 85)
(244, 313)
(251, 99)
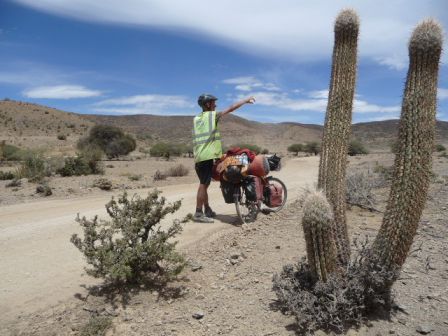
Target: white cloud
(61, 92)
(396, 62)
(249, 83)
(361, 106)
(317, 102)
(442, 93)
(300, 30)
(146, 104)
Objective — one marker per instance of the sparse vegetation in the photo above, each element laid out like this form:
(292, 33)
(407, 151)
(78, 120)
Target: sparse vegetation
(178, 170)
(312, 147)
(84, 163)
(165, 149)
(295, 148)
(8, 175)
(62, 137)
(439, 148)
(159, 176)
(44, 189)
(34, 167)
(97, 326)
(355, 147)
(131, 247)
(103, 184)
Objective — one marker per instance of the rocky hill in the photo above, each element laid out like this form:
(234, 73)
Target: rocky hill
(33, 125)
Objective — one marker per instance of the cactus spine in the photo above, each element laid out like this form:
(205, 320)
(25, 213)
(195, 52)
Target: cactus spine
(320, 245)
(415, 143)
(333, 161)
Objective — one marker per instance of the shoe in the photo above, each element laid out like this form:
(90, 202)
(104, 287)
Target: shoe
(199, 217)
(210, 213)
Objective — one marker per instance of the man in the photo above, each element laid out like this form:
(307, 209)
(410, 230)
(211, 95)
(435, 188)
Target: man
(206, 148)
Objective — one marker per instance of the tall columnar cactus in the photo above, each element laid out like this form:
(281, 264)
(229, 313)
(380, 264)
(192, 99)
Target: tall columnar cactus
(333, 161)
(320, 245)
(415, 144)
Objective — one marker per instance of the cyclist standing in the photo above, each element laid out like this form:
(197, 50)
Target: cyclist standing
(207, 147)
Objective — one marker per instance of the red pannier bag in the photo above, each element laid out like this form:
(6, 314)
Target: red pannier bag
(273, 195)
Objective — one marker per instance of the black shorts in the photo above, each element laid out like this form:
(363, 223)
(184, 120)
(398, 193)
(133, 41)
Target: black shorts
(204, 170)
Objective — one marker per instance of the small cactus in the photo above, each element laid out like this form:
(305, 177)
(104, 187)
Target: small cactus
(412, 168)
(320, 245)
(333, 162)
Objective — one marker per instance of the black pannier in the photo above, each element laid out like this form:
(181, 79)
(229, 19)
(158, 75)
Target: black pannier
(228, 190)
(274, 162)
(250, 188)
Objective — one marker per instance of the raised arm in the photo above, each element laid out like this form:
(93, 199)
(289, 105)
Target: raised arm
(249, 100)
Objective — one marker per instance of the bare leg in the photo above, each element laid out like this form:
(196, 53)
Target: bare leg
(202, 197)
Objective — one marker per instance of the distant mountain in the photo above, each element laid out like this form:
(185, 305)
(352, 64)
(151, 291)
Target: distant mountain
(25, 123)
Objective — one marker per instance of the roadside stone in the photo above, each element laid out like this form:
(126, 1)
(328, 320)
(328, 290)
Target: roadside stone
(424, 329)
(198, 315)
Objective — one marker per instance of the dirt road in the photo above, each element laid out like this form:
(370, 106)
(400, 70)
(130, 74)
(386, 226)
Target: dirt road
(40, 267)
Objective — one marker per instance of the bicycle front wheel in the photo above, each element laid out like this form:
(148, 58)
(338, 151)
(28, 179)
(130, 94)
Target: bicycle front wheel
(277, 182)
(246, 210)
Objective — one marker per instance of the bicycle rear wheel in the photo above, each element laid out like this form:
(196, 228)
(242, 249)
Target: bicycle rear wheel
(246, 210)
(276, 181)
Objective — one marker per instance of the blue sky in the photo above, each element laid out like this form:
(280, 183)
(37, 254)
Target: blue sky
(157, 56)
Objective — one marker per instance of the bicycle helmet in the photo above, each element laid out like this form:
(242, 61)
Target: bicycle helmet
(205, 98)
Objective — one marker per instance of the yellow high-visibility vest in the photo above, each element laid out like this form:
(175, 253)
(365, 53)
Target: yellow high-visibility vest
(206, 137)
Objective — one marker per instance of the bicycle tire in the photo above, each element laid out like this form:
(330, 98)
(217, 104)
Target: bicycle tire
(247, 211)
(272, 179)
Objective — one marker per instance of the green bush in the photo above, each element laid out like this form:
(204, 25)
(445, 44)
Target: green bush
(11, 153)
(131, 247)
(165, 149)
(110, 139)
(86, 162)
(355, 147)
(439, 148)
(312, 147)
(103, 184)
(34, 167)
(295, 148)
(8, 175)
(75, 166)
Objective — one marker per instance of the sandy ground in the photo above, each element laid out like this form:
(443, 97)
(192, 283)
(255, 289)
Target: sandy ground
(229, 277)
(40, 267)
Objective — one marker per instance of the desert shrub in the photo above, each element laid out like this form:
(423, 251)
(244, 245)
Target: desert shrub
(44, 189)
(265, 151)
(355, 147)
(8, 175)
(34, 167)
(159, 176)
(111, 140)
(97, 326)
(85, 163)
(165, 149)
(439, 148)
(178, 170)
(254, 148)
(312, 147)
(62, 137)
(75, 166)
(135, 177)
(102, 183)
(295, 148)
(11, 152)
(131, 247)
(385, 173)
(340, 302)
(360, 190)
